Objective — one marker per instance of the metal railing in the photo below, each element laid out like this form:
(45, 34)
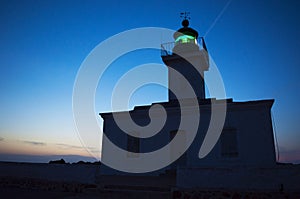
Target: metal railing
(167, 48)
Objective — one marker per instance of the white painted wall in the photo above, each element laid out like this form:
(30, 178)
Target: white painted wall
(252, 121)
(241, 178)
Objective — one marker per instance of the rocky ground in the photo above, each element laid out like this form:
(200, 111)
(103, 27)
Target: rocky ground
(28, 180)
(36, 188)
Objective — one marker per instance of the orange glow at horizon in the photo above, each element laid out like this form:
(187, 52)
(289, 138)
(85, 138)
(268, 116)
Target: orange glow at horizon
(39, 148)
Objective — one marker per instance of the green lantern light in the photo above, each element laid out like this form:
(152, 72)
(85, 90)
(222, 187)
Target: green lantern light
(185, 39)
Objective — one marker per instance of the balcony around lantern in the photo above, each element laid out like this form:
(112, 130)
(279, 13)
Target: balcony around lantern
(182, 44)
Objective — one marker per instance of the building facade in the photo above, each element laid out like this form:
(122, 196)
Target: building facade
(246, 139)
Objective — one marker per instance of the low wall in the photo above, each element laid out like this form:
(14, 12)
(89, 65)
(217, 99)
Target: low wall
(285, 177)
(227, 194)
(55, 172)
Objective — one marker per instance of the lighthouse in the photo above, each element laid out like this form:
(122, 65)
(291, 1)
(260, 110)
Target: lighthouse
(244, 141)
(188, 56)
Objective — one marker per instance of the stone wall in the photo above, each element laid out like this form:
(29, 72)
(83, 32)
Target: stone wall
(227, 194)
(53, 172)
(281, 177)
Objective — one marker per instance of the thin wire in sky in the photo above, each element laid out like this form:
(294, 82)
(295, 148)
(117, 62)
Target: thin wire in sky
(218, 17)
(275, 134)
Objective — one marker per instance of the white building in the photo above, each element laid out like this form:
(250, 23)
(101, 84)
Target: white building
(246, 140)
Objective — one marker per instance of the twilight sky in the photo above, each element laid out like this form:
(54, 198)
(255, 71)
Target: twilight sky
(255, 45)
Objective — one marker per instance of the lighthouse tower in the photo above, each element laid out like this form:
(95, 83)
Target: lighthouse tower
(187, 55)
(243, 145)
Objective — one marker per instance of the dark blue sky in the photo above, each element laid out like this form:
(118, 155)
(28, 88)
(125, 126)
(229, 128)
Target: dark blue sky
(255, 45)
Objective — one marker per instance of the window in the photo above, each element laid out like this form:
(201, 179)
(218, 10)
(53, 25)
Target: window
(185, 39)
(229, 144)
(133, 146)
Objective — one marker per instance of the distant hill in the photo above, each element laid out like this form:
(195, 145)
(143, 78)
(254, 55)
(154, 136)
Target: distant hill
(62, 161)
(44, 159)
